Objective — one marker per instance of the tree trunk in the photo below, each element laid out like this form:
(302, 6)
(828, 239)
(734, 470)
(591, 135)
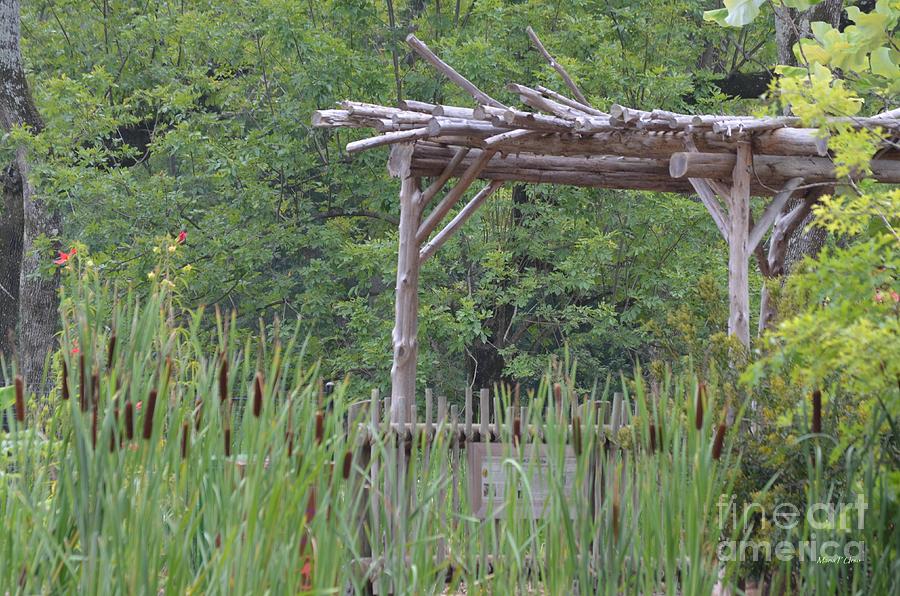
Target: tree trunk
(802, 240)
(10, 261)
(37, 312)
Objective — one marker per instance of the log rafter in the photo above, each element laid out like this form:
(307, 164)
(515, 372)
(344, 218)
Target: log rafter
(560, 140)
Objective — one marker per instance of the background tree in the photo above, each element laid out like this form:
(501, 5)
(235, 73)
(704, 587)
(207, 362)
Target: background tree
(26, 222)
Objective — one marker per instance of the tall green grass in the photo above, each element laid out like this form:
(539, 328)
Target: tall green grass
(238, 474)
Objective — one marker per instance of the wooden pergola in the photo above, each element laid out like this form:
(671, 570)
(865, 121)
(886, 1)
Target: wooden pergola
(560, 140)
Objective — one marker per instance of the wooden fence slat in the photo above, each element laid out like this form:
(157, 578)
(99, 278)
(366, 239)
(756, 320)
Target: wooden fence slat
(484, 414)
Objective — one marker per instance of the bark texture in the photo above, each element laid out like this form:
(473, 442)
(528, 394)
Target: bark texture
(37, 298)
(791, 25)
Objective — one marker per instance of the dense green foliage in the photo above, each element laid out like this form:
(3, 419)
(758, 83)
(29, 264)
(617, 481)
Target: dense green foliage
(195, 116)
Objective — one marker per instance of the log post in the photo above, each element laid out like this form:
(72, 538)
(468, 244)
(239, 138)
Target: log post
(406, 308)
(738, 253)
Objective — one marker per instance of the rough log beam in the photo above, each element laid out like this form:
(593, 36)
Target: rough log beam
(768, 167)
(559, 97)
(738, 253)
(709, 200)
(436, 186)
(556, 66)
(771, 212)
(604, 171)
(406, 306)
(452, 197)
(448, 71)
(464, 214)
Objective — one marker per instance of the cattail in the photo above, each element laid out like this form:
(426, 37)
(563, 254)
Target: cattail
(129, 420)
(185, 439)
(719, 441)
(111, 352)
(517, 431)
(311, 504)
(65, 380)
(616, 506)
(20, 399)
(227, 441)
(348, 463)
(223, 378)
(95, 388)
(148, 415)
(94, 427)
(82, 388)
(320, 426)
(557, 394)
(218, 540)
(23, 576)
(698, 418)
(290, 443)
(652, 438)
(257, 394)
(576, 435)
(817, 411)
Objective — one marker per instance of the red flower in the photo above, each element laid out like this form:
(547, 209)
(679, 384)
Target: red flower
(137, 406)
(64, 257)
(879, 297)
(182, 236)
(895, 296)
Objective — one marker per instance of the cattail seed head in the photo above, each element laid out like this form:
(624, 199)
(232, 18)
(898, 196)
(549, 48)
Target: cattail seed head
(148, 415)
(320, 426)
(517, 431)
(576, 435)
(95, 388)
(817, 411)
(185, 439)
(111, 351)
(20, 398)
(698, 417)
(290, 443)
(348, 463)
(311, 504)
(652, 438)
(257, 394)
(218, 540)
(129, 420)
(94, 428)
(616, 506)
(223, 378)
(557, 394)
(719, 441)
(82, 387)
(227, 437)
(65, 380)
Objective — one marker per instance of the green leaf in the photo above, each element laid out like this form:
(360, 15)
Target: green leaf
(800, 4)
(718, 16)
(7, 397)
(882, 64)
(742, 12)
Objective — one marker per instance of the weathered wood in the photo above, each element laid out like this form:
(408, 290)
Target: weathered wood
(464, 214)
(505, 137)
(405, 340)
(423, 50)
(738, 254)
(709, 200)
(556, 66)
(559, 97)
(401, 136)
(536, 100)
(472, 171)
(771, 212)
(768, 167)
(436, 186)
